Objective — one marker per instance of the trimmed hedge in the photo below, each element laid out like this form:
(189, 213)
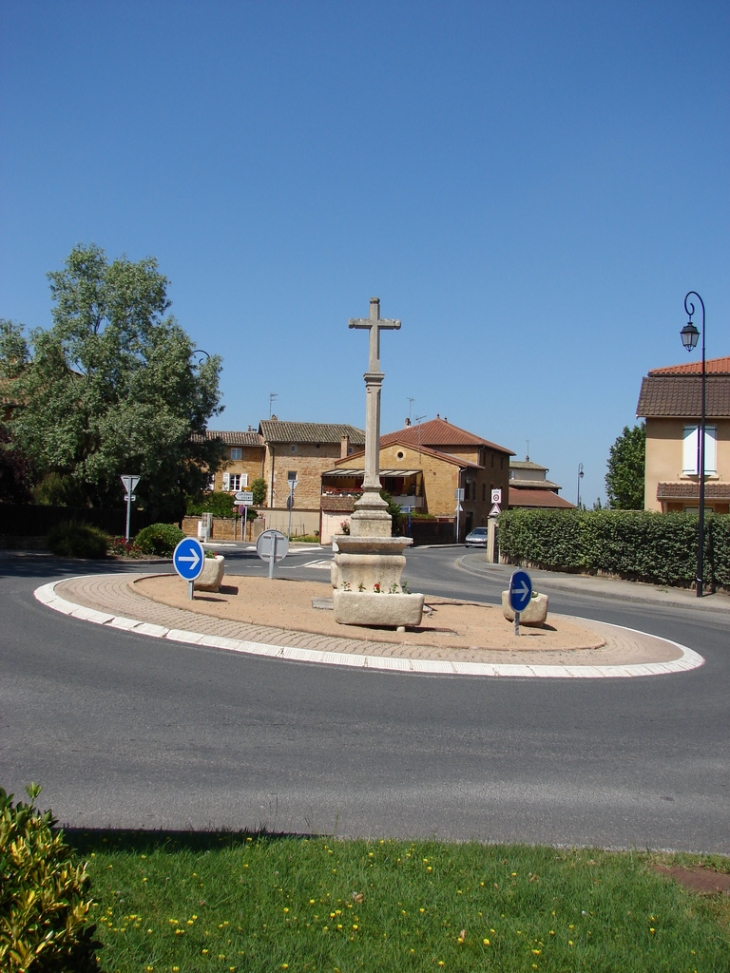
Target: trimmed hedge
(635, 544)
(73, 539)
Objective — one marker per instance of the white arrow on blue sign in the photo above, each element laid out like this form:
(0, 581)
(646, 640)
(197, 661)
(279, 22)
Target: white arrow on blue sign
(188, 558)
(520, 591)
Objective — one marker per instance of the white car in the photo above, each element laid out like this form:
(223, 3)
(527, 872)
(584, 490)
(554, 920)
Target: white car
(477, 538)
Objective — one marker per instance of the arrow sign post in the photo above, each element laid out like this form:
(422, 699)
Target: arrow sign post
(520, 593)
(130, 481)
(188, 559)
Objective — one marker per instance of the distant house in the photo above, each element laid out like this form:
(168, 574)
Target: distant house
(670, 402)
(530, 488)
(244, 460)
(423, 466)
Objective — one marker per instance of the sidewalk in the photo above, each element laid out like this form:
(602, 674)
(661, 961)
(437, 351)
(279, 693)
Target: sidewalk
(601, 586)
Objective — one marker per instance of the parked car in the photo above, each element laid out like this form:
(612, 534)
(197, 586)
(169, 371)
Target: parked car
(477, 538)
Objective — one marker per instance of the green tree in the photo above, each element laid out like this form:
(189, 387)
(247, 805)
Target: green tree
(112, 387)
(626, 463)
(258, 488)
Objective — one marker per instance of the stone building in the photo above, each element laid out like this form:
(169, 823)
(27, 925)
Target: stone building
(530, 488)
(423, 466)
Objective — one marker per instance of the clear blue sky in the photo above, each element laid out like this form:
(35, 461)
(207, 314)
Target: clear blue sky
(531, 187)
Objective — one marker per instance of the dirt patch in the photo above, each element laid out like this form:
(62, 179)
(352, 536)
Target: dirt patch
(287, 604)
(705, 881)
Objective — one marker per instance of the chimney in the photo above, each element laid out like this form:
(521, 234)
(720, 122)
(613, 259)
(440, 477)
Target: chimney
(345, 446)
(274, 418)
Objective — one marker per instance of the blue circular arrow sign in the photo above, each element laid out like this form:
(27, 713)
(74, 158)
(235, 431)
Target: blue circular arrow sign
(188, 558)
(520, 591)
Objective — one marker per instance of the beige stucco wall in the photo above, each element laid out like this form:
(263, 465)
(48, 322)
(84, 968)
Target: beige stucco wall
(664, 439)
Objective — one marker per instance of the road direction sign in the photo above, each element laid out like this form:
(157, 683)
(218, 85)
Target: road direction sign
(520, 591)
(188, 558)
(272, 546)
(244, 496)
(130, 481)
(495, 511)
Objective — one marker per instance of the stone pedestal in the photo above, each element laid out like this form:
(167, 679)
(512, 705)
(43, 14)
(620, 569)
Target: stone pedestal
(367, 608)
(535, 614)
(211, 576)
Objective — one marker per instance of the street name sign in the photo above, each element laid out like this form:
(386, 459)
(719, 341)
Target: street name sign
(244, 496)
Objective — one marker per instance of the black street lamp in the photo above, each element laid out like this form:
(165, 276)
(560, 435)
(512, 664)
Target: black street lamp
(580, 477)
(689, 335)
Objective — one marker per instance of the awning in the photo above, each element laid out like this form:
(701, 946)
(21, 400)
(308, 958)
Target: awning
(359, 473)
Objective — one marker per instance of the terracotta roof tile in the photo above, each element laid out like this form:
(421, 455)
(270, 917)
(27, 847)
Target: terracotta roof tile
(713, 366)
(521, 497)
(235, 438)
(691, 491)
(438, 433)
(277, 431)
(681, 396)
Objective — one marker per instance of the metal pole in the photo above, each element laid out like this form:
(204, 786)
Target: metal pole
(273, 557)
(689, 308)
(517, 623)
(129, 513)
(290, 504)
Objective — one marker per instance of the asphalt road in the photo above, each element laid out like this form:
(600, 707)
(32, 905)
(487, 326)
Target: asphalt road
(127, 731)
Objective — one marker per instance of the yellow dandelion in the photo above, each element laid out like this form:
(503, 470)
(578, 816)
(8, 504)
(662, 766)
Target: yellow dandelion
(485, 941)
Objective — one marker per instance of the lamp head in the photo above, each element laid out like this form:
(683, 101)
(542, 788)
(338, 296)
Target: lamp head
(689, 335)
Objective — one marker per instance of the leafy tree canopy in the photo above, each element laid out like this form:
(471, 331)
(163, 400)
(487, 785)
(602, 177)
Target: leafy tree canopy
(112, 387)
(626, 463)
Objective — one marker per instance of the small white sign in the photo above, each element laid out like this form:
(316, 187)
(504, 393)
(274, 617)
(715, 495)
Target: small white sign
(130, 481)
(459, 495)
(496, 496)
(244, 496)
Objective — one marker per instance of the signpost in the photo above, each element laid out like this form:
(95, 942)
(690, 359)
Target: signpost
(290, 501)
(130, 481)
(272, 546)
(520, 593)
(187, 560)
(245, 499)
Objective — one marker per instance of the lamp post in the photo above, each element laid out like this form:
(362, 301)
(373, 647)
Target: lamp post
(689, 335)
(580, 477)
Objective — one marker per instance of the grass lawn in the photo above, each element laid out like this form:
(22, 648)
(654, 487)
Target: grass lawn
(201, 902)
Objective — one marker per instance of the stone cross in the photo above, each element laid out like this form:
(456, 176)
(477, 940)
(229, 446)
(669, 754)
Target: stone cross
(370, 516)
(376, 324)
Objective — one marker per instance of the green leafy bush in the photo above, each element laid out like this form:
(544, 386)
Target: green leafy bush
(636, 544)
(159, 539)
(72, 539)
(258, 488)
(45, 903)
(218, 503)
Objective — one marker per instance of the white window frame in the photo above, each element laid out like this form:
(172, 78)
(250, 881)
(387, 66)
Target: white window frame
(236, 452)
(690, 451)
(226, 485)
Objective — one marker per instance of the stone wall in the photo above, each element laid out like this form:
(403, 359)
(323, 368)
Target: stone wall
(309, 461)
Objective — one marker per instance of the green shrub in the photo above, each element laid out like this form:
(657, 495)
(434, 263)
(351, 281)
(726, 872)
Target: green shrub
(45, 903)
(159, 539)
(72, 539)
(636, 544)
(258, 488)
(218, 503)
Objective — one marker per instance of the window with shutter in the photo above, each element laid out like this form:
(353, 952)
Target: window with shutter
(690, 450)
(226, 481)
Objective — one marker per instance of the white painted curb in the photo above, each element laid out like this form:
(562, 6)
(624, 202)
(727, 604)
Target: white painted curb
(688, 660)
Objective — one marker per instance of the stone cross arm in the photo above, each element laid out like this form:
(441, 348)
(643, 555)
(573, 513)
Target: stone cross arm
(375, 324)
